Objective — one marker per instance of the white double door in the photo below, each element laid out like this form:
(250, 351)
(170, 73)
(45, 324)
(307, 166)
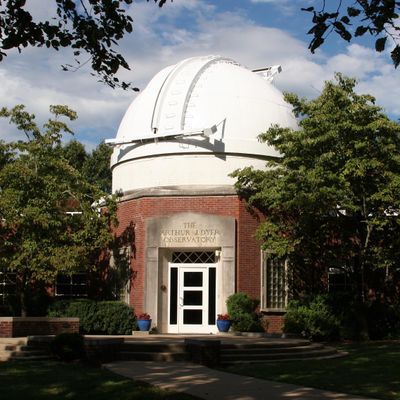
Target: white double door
(193, 296)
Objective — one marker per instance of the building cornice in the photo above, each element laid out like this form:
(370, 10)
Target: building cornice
(179, 191)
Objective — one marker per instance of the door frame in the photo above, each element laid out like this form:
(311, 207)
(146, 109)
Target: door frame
(179, 327)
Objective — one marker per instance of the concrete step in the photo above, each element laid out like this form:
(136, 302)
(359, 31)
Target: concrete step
(20, 340)
(31, 358)
(18, 349)
(292, 358)
(321, 353)
(28, 353)
(152, 356)
(153, 347)
(5, 355)
(231, 351)
(10, 347)
(271, 350)
(277, 356)
(268, 345)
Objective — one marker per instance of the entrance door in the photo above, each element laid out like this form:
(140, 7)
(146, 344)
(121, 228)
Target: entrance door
(192, 298)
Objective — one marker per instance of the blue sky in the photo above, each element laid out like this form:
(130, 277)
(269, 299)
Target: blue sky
(255, 33)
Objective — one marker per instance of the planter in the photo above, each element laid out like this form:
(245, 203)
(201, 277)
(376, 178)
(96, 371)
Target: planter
(144, 324)
(223, 325)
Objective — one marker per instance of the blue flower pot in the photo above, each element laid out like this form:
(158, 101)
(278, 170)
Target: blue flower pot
(144, 324)
(223, 325)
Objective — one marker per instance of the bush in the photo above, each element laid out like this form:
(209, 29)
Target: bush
(313, 320)
(68, 347)
(241, 309)
(102, 318)
(115, 318)
(383, 321)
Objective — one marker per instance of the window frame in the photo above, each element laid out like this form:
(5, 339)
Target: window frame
(4, 276)
(264, 277)
(71, 285)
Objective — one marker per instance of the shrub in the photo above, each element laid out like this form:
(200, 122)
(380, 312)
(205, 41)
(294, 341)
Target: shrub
(68, 347)
(313, 319)
(241, 309)
(383, 321)
(115, 318)
(103, 317)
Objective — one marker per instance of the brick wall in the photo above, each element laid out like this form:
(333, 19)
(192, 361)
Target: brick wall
(274, 322)
(6, 327)
(137, 211)
(27, 326)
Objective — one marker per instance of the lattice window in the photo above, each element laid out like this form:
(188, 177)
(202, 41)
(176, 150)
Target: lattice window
(274, 282)
(7, 286)
(74, 285)
(337, 280)
(193, 257)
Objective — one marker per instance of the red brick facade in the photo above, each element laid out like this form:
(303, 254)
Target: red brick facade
(274, 322)
(139, 210)
(24, 326)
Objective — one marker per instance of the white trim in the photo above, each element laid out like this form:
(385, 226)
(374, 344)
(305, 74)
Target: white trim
(180, 327)
(265, 255)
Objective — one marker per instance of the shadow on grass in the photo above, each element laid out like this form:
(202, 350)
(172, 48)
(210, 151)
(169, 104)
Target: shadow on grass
(371, 369)
(53, 380)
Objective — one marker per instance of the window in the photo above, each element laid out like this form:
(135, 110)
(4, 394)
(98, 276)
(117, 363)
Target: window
(273, 282)
(7, 286)
(337, 280)
(74, 285)
(193, 257)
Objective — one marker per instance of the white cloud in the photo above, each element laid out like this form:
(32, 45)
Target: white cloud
(160, 38)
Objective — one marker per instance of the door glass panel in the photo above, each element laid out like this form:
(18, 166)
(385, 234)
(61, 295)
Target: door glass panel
(193, 279)
(193, 317)
(173, 301)
(211, 295)
(192, 298)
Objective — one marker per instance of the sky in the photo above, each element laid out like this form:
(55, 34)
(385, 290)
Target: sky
(255, 33)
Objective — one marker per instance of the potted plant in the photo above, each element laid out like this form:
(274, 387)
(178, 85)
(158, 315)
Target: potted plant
(143, 322)
(223, 322)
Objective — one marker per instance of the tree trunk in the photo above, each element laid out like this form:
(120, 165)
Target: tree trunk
(360, 306)
(23, 295)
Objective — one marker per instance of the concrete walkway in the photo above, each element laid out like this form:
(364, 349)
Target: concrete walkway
(211, 384)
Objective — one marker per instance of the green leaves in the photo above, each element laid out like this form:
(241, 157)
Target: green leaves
(380, 44)
(93, 27)
(326, 200)
(48, 224)
(378, 18)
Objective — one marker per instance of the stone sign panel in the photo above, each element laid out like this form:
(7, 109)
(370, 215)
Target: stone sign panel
(190, 233)
(190, 230)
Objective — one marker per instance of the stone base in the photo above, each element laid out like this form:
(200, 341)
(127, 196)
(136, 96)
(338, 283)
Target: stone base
(140, 333)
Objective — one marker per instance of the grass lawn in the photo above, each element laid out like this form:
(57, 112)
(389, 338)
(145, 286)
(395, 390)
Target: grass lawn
(371, 369)
(46, 380)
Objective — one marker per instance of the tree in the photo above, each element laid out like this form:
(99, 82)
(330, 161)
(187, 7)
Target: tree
(378, 18)
(48, 222)
(97, 167)
(86, 26)
(75, 153)
(94, 166)
(333, 198)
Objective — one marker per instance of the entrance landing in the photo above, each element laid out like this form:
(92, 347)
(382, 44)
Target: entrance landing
(221, 349)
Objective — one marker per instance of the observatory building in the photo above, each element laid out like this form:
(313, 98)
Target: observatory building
(179, 141)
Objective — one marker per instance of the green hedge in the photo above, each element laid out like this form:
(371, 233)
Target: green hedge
(241, 310)
(313, 320)
(101, 318)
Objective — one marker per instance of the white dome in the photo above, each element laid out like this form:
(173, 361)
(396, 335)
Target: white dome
(199, 94)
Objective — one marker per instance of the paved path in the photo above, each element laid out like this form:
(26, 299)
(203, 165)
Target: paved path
(211, 384)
